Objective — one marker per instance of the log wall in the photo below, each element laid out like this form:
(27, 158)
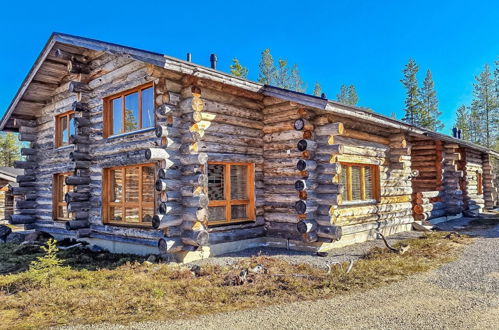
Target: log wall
(472, 186)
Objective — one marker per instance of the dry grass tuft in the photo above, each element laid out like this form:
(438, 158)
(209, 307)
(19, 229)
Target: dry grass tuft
(137, 291)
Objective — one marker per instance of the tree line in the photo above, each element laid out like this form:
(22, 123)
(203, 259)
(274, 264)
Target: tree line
(280, 74)
(479, 120)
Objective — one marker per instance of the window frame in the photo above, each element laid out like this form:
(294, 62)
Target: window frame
(56, 203)
(228, 202)
(375, 184)
(58, 129)
(107, 205)
(108, 113)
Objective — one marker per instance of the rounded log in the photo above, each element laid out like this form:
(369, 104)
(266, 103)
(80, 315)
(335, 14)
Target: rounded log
(195, 237)
(310, 237)
(78, 87)
(74, 156)
(330, 129)
(83, 232)
(301, 185)
(306, 226)
(167, 184)
(162, 221)
(304, 144)
(76, 224)
(331, 232)
(26, 204)
(195, 159)
(19, 219)
(25, 164)
(194, 214)
(165, 110)
(72, 196)
(78, 206)
(25, 178)
(80, 107)
(195, 180)
(306, 165)
(301, 124)
(161, 131)
(77, 138)
(77, 180)
(304, 207)
(170, 245)
(156, 154)
(196, 201)
(83, 164)
(28, 151)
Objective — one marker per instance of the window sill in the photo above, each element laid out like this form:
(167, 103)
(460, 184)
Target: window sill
(143, 130)
(129, 225)
(227, 224)
(360, 203)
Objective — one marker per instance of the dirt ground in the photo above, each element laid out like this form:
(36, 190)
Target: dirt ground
(462, 294)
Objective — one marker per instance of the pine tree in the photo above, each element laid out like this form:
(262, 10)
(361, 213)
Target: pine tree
(9, 149)
(317, 89)
(429, 105)
(347, 95)
(410, 82)
(463, 122)
(485, 106)
(353, 98)
(282, 79)
(267, 68)
(237, 69)
(295, 80)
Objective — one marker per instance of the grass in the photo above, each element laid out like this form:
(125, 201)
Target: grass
(138, 291)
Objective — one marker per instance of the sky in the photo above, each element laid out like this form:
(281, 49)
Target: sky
(364, 43)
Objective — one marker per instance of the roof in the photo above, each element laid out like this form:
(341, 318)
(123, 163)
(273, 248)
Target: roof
(10, 173)
(29, 99)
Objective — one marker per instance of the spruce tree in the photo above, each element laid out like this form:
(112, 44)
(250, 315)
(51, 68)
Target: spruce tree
(295, 80)
(282, 79)
(347, 95)
(10, 150)
(317, 89)
(410, 82)
(429, 105)
(463, 122)
(267, 68)
(485, 106)
(237, 69)
(353, 98)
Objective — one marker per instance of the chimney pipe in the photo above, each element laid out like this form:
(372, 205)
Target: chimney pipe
(189, 57)
(459, 133)
(454, 132)
(323, 96)
(213, 61)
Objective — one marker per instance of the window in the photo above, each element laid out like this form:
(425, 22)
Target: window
(64, 128)
(479, 183)
(361, 182)
(60, 189)
(129, 194)
(231, 192)
(129, 111)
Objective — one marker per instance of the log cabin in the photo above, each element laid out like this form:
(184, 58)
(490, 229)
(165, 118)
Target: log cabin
(137, 151)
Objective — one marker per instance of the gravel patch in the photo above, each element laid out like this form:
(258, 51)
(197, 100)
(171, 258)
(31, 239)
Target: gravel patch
(351, 252)
(462, 294)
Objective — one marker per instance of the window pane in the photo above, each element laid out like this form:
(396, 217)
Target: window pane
(62, 212)
(239, 182)
(369, 183)
(132, 215)
(132, 112)
(147, 107)
(71, 124)
(147, 214)
(116, 214)
(63, 122)
(216, 213)
(117, 116)
(116, 185)
(216, 182)
(239, 212)
(356, 183)
(132, 184)
(148, 184)
(343, 181)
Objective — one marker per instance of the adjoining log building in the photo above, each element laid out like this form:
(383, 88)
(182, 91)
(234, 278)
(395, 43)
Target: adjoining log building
(136, 150)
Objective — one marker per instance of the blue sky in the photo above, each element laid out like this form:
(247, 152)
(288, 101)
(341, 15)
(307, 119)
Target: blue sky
(365, 43)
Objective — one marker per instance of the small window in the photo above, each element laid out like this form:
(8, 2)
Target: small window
(60, 189)
(129, 194)
(479, 183)
(64, 128)
(129, 111)
(231, 193)
(361, 182)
